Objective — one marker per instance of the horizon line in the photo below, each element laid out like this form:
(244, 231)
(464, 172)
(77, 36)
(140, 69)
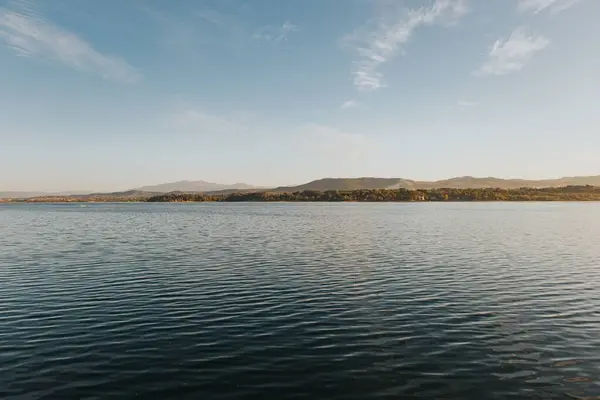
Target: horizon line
(139, 187)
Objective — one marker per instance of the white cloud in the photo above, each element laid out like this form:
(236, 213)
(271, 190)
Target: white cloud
(467, 103)
(276, 34)
(350, 104)
(537, 6)
(331, 142)
(512, 54)
(29, 34)
(383, 38)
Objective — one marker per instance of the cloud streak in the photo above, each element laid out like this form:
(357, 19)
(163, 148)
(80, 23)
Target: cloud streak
(29, 34)
(511, 55)
(537, 6)
(350, 104)
(276, 34)
(467, 103)
(331, 142)
(382, 39)
(204, 123)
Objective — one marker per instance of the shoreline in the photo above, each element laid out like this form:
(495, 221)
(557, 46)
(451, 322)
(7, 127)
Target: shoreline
(567, 193)
(302, 201)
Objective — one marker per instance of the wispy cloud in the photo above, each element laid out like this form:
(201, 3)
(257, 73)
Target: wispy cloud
(30, 34)
(275, 34)
(350, 104)
(537, 6)
(189, 34)
(383, 37)
(512, 54)
(201, 122)
(331, 142)
(467, 103)
(215, 17)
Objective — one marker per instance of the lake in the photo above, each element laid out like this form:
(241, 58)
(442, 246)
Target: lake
(300, 301)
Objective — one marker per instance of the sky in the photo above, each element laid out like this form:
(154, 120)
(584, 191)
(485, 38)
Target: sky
(112, 94)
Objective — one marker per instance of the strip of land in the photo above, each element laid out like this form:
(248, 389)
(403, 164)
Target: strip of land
(567, 193)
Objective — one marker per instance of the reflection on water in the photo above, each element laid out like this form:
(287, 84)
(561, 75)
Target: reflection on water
(332, 301)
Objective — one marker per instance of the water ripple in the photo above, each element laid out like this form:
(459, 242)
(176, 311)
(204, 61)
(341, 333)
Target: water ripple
(300, 301)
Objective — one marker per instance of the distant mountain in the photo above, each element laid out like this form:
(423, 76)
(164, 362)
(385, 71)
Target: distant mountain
(469, 182)
(24, 195)
(465, 182)
(193, 186)
(231, 191)
(341, 184)
(126, 194)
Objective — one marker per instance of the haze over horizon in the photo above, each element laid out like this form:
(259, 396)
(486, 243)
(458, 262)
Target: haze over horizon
(111, 95)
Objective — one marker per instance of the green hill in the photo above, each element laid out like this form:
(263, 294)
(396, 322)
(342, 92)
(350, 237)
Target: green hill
(341, 184)
(465, 182)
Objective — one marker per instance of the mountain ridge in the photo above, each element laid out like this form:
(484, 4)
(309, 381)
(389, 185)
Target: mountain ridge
(19, 194)
(192, 186)
(463, 182)
(325, 184)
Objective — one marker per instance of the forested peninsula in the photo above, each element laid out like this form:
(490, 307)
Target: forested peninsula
(567, 193)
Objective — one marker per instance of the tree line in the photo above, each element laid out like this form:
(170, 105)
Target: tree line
(568, 193)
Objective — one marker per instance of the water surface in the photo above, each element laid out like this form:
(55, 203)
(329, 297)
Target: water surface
(300, 301)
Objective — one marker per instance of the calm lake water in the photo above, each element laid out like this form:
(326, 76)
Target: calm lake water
(300, 301)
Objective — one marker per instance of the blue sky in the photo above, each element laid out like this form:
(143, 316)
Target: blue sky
(108, 95)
